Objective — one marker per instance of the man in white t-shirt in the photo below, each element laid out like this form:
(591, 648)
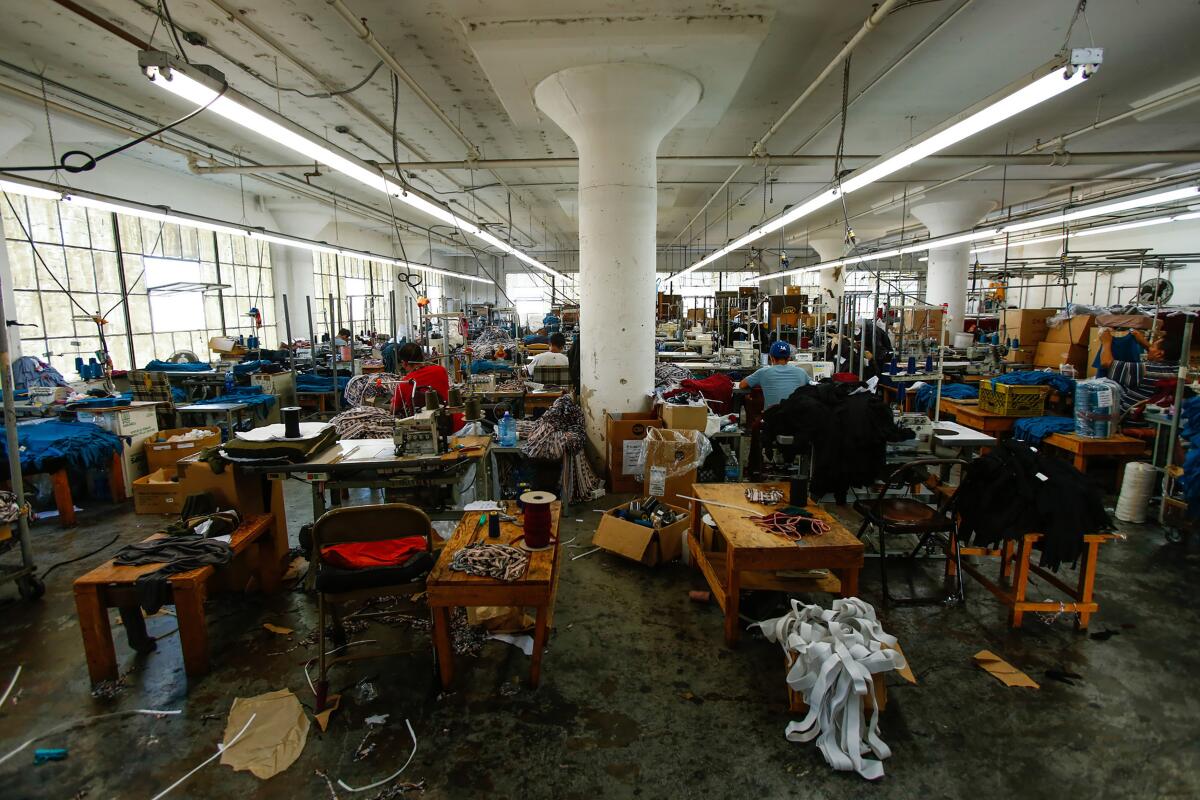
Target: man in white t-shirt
(554, 357)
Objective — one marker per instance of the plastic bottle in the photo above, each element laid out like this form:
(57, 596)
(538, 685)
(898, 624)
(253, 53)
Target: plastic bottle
(229, 382)
(508, 430)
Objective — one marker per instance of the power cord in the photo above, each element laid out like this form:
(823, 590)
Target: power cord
(105, 546)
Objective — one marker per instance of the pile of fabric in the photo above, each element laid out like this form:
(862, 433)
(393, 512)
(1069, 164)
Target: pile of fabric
(49, 445)
(487, 560)
(176, 554)
(250, 395)
(848, 430)
(558, 432)
(176, 366)
(9, 510)
(717, 389)
(362, 389)
(308, 382)
(966, 391)
(489, 340)
(669, 375)
(364, 422)
(1016, 489)
(510, 385)
(1035, 429)
(1190, 430)
(835, 655)
(29, 371)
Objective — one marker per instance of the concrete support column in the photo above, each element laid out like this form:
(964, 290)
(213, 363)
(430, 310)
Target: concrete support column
(949, 267)
(617, 114)
(13, 131)
(294, 267)
(831, 282)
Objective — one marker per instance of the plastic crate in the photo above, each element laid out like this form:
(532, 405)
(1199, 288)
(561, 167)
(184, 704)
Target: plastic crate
(1012, 400)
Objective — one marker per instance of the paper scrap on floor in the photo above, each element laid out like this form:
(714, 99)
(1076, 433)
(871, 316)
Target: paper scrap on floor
(276, 738)
(522, 642)
(1003, 671)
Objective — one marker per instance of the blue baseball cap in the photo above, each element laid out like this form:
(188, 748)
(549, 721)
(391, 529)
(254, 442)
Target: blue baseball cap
(781, 350)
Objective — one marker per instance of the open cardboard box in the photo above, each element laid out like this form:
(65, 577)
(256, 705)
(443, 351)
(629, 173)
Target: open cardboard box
(649, 546)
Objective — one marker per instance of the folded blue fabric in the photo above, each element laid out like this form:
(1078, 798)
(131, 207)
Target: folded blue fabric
(1035, 429)
(170, 366)
(250, 395)
(481, 366)
(246, 367)
(1190, 430)
(1032, 377)
(308, 382)
(953, 391)
(48, 445)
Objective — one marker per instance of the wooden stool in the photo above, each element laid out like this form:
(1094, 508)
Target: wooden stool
(111, 586)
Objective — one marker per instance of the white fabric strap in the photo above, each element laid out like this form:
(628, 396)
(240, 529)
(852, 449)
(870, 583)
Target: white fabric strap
(836, 654)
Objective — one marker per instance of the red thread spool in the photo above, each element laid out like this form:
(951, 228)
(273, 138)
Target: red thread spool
(537, 518)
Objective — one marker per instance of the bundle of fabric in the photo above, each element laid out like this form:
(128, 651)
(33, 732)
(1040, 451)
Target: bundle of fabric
(362, 389)
(481, 366)
(9, 510)
(250, 395)
(835, 655)
(490, 339)
(1016, 489)
(50, 445)
(510, 385)
(247, 367)
(29, 371)
(364, 422)
(487, 560)
(1190, 430)
(176, 554)
(1035, 429)
(176, 366)
(1038, 377)
(953, 391)
(558, 432)
(717, 389)
(847, 429)
(670, 374)
(308, 382)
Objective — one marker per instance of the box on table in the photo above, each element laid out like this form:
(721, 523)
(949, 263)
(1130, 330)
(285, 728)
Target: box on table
(1012, 400)
(133, 423)
(1052, 354)
(668, 452)
(649, 546)
(625, 435)
(684, 418)
(1093, 349)
(158, 493)
(1073, 330)
(1020, 355)
(160, 453)
(1026, 325)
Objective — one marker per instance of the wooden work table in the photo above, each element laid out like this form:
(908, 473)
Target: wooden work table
(1082, 448)
(744, 556)
(538, 587)
(971, 415)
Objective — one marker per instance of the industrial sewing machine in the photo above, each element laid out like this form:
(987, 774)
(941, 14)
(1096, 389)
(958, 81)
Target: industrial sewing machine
(922, 428)
(427, 432)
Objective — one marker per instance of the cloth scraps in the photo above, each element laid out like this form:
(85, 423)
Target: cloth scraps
(486, 560)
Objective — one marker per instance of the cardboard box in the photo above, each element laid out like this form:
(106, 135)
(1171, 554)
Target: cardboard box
(1020, 355)
(1050, 354)
(1093, 349)
(923, 321)
(625, 435)
(1026, 325)
(666, 454)
(684, 418)
(1072, 331)
(158, 493)
(648, 546)
(160, 453)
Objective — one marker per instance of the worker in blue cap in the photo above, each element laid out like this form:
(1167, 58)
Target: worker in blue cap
(777, 381)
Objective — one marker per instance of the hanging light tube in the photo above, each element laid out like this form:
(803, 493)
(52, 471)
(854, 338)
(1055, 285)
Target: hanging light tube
(1159, 198)
(1047, 82)
(206, 87)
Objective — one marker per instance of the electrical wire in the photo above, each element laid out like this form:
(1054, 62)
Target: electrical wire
(11, 684)
(221, 748)
(91, 161)
(166, 13)
(105, 546)
(86, 720)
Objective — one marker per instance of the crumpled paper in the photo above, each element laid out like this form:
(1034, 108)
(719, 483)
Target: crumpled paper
(274, 741)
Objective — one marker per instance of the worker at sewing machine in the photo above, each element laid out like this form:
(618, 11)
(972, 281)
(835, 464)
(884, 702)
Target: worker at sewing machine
(418, 378)
(554, 357)
(777, 380)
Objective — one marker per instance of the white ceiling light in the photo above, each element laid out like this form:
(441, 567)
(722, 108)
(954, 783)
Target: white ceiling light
(204, 86)
(12, 187)
(1047, 82)
(1158, 198)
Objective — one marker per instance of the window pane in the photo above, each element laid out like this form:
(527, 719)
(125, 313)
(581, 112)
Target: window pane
(101, 226)
(20, 259)
(43, 217)
(79, 267)
(29, 312)
(107, 277)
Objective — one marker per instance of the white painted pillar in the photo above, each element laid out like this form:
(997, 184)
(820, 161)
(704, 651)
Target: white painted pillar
(949, 267)
(831, 282)
(13, 131)
(293, 267)
(617, 114)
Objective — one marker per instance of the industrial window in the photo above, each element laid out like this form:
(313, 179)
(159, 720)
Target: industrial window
(360, 294)
(532, 297)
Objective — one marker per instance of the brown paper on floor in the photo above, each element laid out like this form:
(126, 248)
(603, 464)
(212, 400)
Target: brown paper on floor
(273, 741)
(905, 672)
(282, 631)
(1003, 671)
(500, 619)
(331, 705)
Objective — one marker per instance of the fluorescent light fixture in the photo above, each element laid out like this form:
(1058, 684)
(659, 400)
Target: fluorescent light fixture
(205, 87)
(1050, 84)
(149, 213)
(1159, 198)
(12, 187)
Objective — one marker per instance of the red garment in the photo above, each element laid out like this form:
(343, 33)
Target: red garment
(430, 376)
(383, 553)
(717, 389)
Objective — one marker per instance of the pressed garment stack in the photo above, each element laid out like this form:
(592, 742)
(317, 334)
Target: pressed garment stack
(561, 431)
(836, 655)
(364, 422)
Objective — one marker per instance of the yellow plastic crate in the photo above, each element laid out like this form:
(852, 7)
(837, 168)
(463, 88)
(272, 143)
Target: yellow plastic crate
(1011, 400)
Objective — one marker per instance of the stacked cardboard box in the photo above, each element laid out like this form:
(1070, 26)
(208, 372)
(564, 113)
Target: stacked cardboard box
(626, 434)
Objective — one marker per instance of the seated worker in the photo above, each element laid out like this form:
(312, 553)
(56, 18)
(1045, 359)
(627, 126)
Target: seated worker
(777, 380)
(421, 377)
(1141, 380)
(343, 337)
(554, 357)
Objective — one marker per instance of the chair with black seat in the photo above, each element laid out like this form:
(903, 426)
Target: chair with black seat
(906, 514)
(338, 587)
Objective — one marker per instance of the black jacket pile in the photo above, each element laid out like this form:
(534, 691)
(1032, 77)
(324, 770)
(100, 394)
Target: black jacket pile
(1015, 490)
(848, 433)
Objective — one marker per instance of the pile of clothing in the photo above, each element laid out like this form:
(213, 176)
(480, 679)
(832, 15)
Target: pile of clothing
(362, 389)
(29, 371)
(1016, 489)
(176, 366)
(269, 444)
(49, 445)
(309, 382)
(558, 432)
(670, 375)
(717, 389)
(491, 339)
(364, 422)
(966, 391)
(1035, 429)
(847, 427)
(1190, 430)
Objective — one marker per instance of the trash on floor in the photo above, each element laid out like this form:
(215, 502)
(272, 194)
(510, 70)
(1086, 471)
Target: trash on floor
(1003, 671)
(44, 754)
(331, 705)
(524, 642)
(275, 741)
(282, 631)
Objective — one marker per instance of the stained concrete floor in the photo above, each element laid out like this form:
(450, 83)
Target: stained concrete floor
(639, 695)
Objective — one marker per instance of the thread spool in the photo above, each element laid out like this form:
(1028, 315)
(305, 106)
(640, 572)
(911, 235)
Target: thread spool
(455, 396)
(537, 519)
(291, 422)
(431, 401)
(474, 409)
(1136, 488)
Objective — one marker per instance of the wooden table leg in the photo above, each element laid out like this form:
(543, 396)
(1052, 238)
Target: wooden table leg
(733, 625)
(1021, 580)
(193, 629)
(539, 644)
(1006, 556)
(116, 479)
(1087, 582)
(443, 645)
(62, 498)
(135, 629)
(1080, 462)
(849, 580)
(97, 634)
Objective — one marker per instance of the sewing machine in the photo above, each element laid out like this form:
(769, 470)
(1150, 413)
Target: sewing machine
(922, 428)
(427, 432)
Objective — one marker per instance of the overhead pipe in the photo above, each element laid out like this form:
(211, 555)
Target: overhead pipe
(1055, 159)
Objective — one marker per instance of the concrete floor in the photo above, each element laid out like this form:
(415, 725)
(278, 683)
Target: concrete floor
(639, 696)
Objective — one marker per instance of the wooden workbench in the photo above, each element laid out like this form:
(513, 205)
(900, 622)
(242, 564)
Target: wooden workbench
(971, 415)
(752, 558)
(1082, 448)
(449, 589)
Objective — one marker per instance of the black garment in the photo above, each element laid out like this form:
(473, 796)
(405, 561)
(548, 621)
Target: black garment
(176, 554)
(573, 358)
(1015, 490)
(848, 434)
